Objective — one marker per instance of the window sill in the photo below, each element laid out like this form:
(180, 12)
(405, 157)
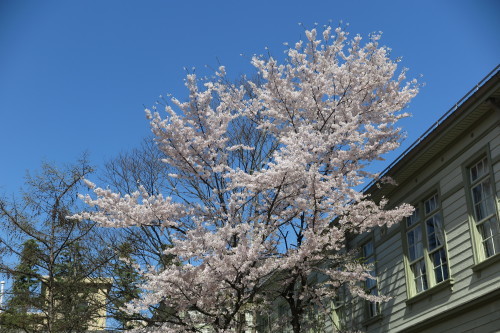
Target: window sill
(372, 320)
(487, 262)
(425, 294)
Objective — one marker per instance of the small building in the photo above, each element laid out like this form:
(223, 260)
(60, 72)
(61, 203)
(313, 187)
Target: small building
(86, 307)
(93, 300)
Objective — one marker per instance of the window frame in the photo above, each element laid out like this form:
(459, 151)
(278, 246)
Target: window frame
(430, 269)
(370, 307)
(477, 240)
(338, 312)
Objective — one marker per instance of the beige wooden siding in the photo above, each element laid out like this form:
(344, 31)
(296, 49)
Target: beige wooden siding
(482, 319)
(445, 175)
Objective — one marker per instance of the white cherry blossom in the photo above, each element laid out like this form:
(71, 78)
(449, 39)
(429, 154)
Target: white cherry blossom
(267, 179)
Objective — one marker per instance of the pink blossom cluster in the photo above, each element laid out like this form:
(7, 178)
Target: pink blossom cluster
(266, 181)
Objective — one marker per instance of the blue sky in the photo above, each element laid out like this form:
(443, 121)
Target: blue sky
(75, 75)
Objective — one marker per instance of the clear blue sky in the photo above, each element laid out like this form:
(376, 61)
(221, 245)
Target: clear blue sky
(75, 75)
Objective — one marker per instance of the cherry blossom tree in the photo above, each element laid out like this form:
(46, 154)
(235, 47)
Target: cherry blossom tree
(264, 182)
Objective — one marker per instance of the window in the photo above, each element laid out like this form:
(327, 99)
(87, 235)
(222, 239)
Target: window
(368, 252)
(338, 312)
(425, 245)
(486, 229)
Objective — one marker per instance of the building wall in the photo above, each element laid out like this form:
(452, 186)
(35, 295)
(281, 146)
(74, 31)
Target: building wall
(100, 296)
(467, 300)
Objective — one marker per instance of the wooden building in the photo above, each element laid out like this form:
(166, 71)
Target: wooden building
(441, 266)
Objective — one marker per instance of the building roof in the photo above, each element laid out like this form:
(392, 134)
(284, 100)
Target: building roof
(464, 114)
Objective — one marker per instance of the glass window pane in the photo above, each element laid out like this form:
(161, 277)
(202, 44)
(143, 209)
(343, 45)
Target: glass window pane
(473, 173)
(419, 250)
(431, 204)
(415, 246)
(368, 249)
(486, 187)
(412, 253)
(416, 268)
(487, 229)
(424, 282)
(419, 272)
(490, 232)
(413, 218)
(438, 228)
(445, 264)
(489, 247)
(419, 285)
(411, 238)
(488, 198)
(480, 211)
(370, 283)
(439, 274)
(431, 236)
(435, 234)
(372, 309)
(482, 199)
(418, 234)
(483, 167)
(432, 242)
(440, 265)
(479, 169)
(430, 225)
(436, 258)
(477, 192)
(445, 272)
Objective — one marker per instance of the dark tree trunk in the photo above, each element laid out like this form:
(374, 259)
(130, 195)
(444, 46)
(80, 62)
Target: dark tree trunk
(295, 323)
(294, 302)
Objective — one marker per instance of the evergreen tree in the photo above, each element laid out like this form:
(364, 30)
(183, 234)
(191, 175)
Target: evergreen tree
(26, 278)
(60, 258)
(125, 287)
(73, 290)
(25, 298)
